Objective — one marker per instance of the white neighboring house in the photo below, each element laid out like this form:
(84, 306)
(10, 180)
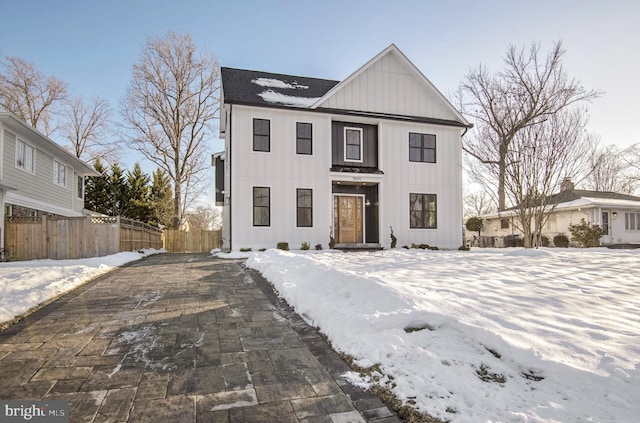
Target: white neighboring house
(617, 214)
(37, 176)
(308, 158)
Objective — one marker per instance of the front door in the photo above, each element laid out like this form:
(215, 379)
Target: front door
(348, 219)
(606, 229)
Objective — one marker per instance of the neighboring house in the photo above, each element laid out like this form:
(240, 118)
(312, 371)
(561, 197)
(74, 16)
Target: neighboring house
(617, 214)
(307, 159)
(37, 176)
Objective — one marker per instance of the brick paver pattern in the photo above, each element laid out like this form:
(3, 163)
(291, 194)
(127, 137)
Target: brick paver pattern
(179, 338)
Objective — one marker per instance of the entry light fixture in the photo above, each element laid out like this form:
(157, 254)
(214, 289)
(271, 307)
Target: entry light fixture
(615, 213)
(367, 203)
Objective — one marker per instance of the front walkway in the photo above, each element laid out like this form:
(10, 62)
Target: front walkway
(180, 338)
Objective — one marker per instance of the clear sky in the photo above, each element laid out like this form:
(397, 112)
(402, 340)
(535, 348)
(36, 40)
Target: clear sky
(92, 44)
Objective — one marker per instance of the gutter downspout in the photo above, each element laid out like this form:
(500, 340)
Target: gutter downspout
(230, 176)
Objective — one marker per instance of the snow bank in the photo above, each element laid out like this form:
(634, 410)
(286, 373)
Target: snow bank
(491, 335)
(26, 284)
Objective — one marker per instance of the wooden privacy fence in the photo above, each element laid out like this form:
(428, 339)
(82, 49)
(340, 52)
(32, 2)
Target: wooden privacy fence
(191, 241)
(43, 237)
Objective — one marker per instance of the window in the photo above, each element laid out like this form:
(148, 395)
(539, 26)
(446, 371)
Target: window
(422, 148)
(504, 223)
(304, 208)
(80, 191)
(632, 221)
(303, 138)
(25, 156)
(422, 211)
(261, 206)
(261, 135)
(352, 144)
(59, 174)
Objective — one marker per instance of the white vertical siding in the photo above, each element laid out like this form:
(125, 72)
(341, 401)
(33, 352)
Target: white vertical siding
(402, 177)
(388, 86)
(283, 171)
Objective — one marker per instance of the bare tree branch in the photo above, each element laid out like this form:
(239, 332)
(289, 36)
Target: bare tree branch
(30, 95)
(84, 127)
(170, 109)
(530, 90)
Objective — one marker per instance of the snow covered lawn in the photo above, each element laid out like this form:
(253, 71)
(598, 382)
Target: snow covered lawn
(554, 333)
(26, 284)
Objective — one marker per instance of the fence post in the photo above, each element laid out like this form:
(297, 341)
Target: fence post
(45, 238)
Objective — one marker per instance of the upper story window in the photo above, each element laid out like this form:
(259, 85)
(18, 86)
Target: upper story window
(422, 211)
(25, 156)
(504, 223)
(261, 135)
(303, 138)
(422, 147)
(353, 144)
(59, 174)
(80, 189)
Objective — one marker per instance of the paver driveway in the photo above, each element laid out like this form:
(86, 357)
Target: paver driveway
(179, 338)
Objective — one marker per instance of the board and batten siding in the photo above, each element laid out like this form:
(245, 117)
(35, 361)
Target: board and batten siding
(39, 187)
(389, 86)
(402, 177)
(283, 171)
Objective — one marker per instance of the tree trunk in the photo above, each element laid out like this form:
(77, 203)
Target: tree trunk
(502, 198)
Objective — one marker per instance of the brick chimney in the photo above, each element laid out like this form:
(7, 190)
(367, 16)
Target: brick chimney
(567, 184)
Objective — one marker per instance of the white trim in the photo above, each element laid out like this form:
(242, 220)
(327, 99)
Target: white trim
(18, 127)
(333, 216)
(33, 159)
(20, 200)
(361, 141)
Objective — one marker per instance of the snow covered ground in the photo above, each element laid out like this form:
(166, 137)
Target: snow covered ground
(26, 284)
(554, 333)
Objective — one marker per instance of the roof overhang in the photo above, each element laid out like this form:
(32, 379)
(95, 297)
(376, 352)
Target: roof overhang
(14, 122)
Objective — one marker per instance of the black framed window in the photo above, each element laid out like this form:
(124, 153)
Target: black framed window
(353, 144)
(504, 223)
(261, 206)
(304, 208)
(423, 211)
(422, 147)
(261, 135)
(303, 138)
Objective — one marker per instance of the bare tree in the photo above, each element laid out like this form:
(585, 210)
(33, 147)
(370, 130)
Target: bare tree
(170, 108)
(539, 158)
(530, 90)
(85, 127)
(29, 94)
(608, 170)
(478, 203)
(205, 218)
(631, 157)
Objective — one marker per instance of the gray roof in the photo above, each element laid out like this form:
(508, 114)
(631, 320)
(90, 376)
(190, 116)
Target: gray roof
(575, 194)
(245, 86)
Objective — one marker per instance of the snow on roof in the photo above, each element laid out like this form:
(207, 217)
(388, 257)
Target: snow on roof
(277, 83)
(271, 96)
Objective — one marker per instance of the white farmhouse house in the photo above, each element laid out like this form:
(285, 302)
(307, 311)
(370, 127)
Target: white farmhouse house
(308, 159)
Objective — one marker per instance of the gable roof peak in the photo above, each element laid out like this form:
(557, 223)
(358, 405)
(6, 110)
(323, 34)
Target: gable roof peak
(393, 49)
